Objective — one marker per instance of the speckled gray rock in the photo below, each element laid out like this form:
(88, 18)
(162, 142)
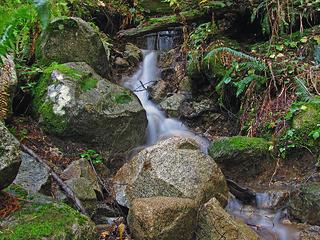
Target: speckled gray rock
(215, 223)
(10, 158)
(73, 101)
(162, 218)
(73, 40)
(33, 176)
(174, 168)
(172, 104)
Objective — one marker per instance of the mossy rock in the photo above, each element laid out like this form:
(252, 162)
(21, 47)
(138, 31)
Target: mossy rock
(40, 218)
(73, 101)
(305, 121)
(73, 40)
(240, 155)
(10, 157)
(304, 203)
(155, 6)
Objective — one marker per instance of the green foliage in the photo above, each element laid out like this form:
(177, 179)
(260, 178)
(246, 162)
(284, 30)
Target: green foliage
(123, 98)
(278, 17)
(201, 35)
(250, 70)
(302, 91)
(92, 155)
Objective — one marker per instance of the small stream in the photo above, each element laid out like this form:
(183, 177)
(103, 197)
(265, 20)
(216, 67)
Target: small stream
(265, 221)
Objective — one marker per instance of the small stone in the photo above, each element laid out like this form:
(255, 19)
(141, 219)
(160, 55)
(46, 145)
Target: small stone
(122, 62)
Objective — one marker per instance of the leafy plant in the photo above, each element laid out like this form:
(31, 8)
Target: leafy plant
(92, 155)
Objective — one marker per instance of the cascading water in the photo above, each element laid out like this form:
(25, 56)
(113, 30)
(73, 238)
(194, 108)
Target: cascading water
(266, 222)
(159, 126)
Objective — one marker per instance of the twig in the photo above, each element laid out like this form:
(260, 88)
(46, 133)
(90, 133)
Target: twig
(68, 191)
(275, 171)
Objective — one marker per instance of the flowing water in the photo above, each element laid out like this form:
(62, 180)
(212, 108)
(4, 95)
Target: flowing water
(266, 222)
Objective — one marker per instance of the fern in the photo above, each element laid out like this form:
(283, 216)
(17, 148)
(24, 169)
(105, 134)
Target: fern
(302, 91)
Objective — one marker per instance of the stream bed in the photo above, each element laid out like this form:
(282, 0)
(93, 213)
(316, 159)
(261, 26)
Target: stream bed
(268, 223)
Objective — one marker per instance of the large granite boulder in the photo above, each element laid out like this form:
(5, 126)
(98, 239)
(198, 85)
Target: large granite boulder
(215, 223)
(174, 168)
(240, 155)
(73, 101)
(304, 203)
(10, 158)
(162, 218)
(73, 40)
(8, 84)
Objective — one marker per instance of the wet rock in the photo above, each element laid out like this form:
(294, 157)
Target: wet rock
(42, 218)
(74, 102)
(216, 223)
(10, 157)
(162, 218)
(272, 199)
(122, 62)
(133, 54)
(73, 40)
(174, 168)
(33, 176)
(172, 104)
(304, 203)
(8, 84)
(240, 155)
(158, 91)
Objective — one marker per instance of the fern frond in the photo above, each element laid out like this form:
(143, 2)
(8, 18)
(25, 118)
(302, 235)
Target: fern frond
(302, 91)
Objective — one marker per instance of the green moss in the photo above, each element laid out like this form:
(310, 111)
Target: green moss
(239, 143)
(43, 221)
(52, 122)
(123, 97)
(88, 84)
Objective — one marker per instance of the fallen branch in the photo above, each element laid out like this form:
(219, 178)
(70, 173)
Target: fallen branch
(67, 190)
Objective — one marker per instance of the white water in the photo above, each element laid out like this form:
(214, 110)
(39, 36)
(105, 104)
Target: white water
(159, 126)
(265, 221)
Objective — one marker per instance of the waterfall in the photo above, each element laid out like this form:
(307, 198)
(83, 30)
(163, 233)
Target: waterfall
(159, 125)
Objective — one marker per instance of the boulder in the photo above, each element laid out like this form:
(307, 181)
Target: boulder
(240, 155)
(80, 177)
(74, 102)
(33, 176)
(8, 84)
(215, 223)
(10, 158)
(40, 218)
(173, 167)
(73, 40)
(304, 203)
(162, 218)
(310, 233)
(172, 104)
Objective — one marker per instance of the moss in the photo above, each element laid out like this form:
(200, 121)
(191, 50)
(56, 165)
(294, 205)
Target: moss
(52, 122)
(88, 84)
(123, 97)
(239, 143)
(42, 221)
